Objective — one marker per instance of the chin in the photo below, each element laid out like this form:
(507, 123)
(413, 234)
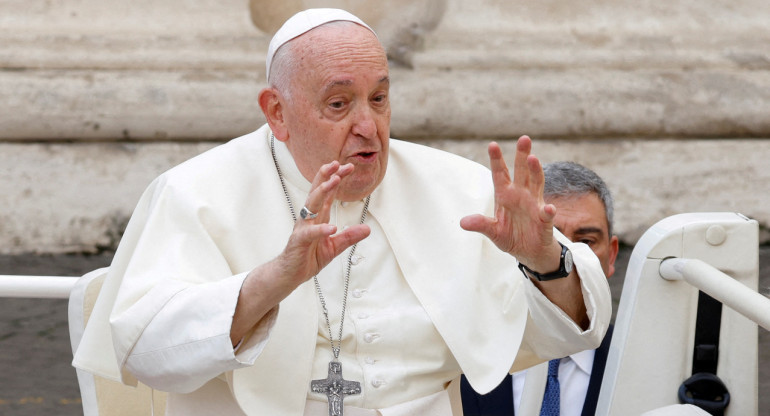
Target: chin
(362, 182)
(356, 192)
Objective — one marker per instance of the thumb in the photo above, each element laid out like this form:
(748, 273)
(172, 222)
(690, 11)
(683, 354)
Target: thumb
(478, 223)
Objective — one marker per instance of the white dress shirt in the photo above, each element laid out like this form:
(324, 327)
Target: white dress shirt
(574, 375)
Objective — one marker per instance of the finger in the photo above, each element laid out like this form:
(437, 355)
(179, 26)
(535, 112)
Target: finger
(500, 174)
(302, 250)
(328, 171)
(323, 189)
(320, 181)
(520, 168)
(480, 224)
(311, 234)
(548, 213)
(348, 237)
(536, 177)
(330, 188)
(321, 197)
(345, 170)
(324, 173)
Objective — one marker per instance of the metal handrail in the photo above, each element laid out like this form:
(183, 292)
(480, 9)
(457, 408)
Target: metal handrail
(52, 287)
(719, 286)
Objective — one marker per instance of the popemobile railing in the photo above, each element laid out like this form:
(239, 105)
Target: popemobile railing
(719, 286)
(45, 287)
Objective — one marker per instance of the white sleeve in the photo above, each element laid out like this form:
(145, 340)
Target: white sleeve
(550, 332)
(187, 342)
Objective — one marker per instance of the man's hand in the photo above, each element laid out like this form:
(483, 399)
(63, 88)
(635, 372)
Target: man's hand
(523, 223)
(523, 226)
(312, 245)
(313, 242)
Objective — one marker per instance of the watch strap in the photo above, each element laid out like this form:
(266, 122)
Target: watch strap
(557, 274)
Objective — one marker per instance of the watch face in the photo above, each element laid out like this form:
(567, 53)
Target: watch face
(568, 261)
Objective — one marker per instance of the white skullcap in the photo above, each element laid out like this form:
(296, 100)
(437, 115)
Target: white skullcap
(303, 22)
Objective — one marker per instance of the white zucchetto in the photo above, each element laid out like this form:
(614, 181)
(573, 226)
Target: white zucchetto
(303, 22)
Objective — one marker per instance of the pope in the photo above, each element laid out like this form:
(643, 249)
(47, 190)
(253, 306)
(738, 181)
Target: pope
(316, 266)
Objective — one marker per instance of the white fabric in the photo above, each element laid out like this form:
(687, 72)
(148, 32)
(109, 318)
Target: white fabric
(303, 22)
(574, 376)
(81, 299)
(314, 408)
(384, 319)
(677, 410)
(201, 226)
(533, 391)
(437, 404)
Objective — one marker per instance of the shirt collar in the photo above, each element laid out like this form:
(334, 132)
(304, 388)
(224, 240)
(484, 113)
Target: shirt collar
(584, 360)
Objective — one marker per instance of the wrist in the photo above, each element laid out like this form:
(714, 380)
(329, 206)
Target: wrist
(547, 260)
(548, 269)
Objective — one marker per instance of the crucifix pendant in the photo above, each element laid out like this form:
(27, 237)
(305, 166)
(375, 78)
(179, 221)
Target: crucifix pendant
(335, 387)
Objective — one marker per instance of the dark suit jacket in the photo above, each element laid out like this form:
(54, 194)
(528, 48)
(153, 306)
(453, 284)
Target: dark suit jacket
(499, 402)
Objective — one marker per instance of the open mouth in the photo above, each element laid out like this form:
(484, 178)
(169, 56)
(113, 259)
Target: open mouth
(366, 156)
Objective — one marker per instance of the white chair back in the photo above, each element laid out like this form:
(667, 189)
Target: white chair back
(100, 396)
(652, 346)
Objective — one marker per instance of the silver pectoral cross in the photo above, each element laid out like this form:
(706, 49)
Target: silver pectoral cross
(335, 387)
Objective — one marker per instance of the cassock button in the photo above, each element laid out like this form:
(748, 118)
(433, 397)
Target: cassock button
(378, 383)
(357, 258)
(370, 360)
(363, 315)
(357, 293)
(370, 337)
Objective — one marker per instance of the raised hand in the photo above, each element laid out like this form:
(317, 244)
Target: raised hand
(313, 242)
(523, 223)
(311, 246)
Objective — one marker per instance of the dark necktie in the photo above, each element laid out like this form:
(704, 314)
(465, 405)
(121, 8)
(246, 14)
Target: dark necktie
(550, 405)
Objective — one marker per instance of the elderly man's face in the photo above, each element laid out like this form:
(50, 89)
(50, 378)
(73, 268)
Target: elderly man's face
(582, 219)
(339, 107)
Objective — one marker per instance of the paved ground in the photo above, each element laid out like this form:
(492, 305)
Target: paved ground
(35, 374)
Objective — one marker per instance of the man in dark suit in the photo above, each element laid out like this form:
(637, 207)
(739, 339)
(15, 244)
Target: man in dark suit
(584, 214)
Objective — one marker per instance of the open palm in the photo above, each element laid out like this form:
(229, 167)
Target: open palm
(523, 223)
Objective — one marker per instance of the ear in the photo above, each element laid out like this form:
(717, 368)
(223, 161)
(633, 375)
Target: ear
(272, 105)
(614, 248)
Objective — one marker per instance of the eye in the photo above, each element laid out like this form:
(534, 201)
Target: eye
(337, 105)
(380, 98)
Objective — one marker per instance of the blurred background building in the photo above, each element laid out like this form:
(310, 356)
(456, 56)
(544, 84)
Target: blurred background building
(668, 101)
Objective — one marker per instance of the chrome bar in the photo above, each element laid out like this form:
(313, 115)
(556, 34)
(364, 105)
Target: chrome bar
(36, 286)
(719, 286)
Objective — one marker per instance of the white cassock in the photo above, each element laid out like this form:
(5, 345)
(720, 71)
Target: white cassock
(428, 300)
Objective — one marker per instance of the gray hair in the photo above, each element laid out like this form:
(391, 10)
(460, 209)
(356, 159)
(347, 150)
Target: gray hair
(566, 179)
(282, 69)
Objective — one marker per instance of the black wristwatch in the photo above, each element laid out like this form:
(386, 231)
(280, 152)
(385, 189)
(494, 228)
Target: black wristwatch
(565, 267)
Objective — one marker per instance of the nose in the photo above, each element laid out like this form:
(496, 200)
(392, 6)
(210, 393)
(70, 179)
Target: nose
(363, 122)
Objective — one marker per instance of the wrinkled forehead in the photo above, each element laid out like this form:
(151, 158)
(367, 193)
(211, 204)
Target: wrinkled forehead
(329, 37)
(584, 208)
